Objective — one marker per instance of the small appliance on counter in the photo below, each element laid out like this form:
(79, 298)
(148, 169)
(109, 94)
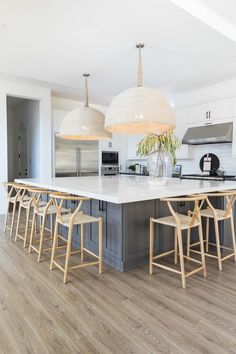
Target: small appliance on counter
(209, 164)
(110, 163)
(177, 171)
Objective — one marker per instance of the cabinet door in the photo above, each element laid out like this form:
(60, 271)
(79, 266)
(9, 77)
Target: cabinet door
(220, 109)
(212, 112)
(111, 215)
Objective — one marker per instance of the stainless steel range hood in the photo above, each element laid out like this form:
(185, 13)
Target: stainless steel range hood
(209, 134)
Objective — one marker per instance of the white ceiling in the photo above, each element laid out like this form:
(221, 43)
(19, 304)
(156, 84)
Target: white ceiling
(56, 41)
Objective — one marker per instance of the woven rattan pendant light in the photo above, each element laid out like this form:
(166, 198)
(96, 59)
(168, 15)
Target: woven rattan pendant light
(139, 109)
(84, 122)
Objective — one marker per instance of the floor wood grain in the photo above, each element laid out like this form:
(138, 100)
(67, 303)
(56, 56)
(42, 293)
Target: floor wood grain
(130, 312)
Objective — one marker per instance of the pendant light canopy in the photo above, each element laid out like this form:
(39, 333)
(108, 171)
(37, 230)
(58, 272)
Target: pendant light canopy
(84, 122)
(140, 109)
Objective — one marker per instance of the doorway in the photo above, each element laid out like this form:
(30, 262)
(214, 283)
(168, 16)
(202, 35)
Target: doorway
(22, 137)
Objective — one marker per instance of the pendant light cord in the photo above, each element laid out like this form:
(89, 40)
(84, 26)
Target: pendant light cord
(86, 103)
(140, 68)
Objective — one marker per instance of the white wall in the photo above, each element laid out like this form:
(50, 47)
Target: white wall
(18, 89)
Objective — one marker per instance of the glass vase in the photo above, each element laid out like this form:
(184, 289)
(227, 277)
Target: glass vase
(160, 165)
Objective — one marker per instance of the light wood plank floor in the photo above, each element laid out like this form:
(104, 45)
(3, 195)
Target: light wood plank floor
(113, 313)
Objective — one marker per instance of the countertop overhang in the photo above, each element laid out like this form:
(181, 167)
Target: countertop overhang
(127, 189)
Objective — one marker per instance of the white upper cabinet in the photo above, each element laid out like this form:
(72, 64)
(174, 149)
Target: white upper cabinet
(206, 113)
(209, 113)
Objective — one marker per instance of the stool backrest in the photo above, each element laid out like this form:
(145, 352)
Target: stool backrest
(198, 201)
(229, 196)
(14, 190)
(59, 200)
(36, 195)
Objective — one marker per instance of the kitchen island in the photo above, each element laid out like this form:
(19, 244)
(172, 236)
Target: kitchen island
(126, 204)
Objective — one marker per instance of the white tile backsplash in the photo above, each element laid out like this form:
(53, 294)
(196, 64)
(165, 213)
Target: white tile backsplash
(223, 151)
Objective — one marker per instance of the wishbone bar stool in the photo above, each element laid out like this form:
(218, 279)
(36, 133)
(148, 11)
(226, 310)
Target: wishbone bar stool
(14, 192)
(43, 211)
(27, 205)
(218, 215)
(68, 220)
(180, 222)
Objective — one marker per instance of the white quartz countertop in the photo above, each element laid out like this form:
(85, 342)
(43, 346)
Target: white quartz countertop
(127, 189)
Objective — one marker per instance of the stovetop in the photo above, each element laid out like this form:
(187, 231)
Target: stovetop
(211, 178)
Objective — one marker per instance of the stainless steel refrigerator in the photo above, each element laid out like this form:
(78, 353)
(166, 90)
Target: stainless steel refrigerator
(76, 158)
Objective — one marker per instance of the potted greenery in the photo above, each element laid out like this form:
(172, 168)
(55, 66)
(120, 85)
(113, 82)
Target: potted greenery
(161, 152)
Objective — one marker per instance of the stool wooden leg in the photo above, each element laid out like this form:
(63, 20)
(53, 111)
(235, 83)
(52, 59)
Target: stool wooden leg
(181, 257)
(26, 226)
(233, 235)
(202, 249)
(68, 252)
(188, 242)
(32, 231)
(12, 220)
(151, 246)
(41, 237)
(51, 226)
(218, 243)
(176, 247)
(100, 245)
(6, 217)
(207, 234)
(82, 242)
(18, 223)
(54, 243)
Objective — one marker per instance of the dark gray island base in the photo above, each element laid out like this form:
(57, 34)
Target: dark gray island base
(126, 231)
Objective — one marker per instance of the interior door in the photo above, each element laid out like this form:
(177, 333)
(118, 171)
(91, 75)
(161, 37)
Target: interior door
(23, 153)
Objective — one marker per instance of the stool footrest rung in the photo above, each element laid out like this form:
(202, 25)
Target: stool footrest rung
(165, 267)
(91, 253)
(163, 254)
(192, 259)
(228, 256)
(224, 247)
(21, 237)
(58, 266)
(82, 265)
(64, 254)
(206, 254)
(62, 238)
(194, 271)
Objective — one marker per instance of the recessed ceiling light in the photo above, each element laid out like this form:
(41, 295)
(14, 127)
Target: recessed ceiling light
(2, 25)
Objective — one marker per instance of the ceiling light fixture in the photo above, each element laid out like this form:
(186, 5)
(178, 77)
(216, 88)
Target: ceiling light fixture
(139, 109)
(84, 122)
